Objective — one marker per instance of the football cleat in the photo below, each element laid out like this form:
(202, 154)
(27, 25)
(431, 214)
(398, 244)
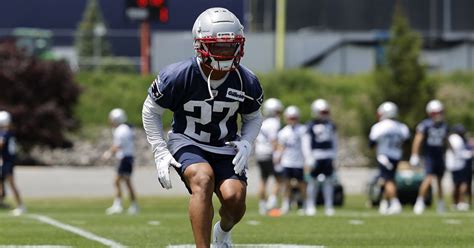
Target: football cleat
(18, 211)
(419, 207)
(115, 209)
(220, 238)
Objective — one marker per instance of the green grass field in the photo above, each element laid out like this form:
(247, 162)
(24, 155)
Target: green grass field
(164, 221)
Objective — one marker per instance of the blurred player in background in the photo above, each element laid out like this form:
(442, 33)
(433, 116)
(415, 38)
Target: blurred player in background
(206, 94)
(388, 135)
(123, 149)
(291, 155)
(320, 149)
(459, 162)
(7, 160)
(265, 145)
(430, 138)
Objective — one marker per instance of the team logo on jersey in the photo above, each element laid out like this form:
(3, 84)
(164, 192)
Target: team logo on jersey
(214, 93)
(155, 90)
(235, 94)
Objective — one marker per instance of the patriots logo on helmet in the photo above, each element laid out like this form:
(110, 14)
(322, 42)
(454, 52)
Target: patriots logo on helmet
(260, 99)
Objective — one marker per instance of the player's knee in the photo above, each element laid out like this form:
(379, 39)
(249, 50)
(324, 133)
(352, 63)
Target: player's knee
(202, 183)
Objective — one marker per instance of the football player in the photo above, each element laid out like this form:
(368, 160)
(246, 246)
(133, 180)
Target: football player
(206, 93)
(458, 161)
(123, 148)
(430, 138)
(7, 160)
(320, 148)
(291, 155)
(265, 145)
(388, 135)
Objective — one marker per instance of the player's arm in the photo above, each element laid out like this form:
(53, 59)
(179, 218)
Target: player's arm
(415, 149)
(152, 123)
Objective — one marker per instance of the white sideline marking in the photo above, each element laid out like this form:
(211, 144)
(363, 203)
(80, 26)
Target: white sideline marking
(78, 231)
(253, 222)
(154, 223)
(452, 222)
(34, 246)
(356, 222)
(254, 246)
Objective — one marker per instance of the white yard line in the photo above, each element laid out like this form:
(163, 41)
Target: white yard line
(76, 230)
(254, 246)
(34, 246)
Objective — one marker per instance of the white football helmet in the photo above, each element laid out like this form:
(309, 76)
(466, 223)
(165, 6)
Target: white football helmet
(219, 39)
(272, 107)
(434, 106)
(319, 107)
(117, 116)
(5, 118)
(292, 112)
(387, 110)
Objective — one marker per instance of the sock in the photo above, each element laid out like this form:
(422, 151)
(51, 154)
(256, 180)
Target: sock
(117, 202)
(328, 191)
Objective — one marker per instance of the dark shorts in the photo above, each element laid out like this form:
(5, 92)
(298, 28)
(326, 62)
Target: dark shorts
(296, 173)
(221, 164)
(322, 166)
(125, 167)
(464, 175)
(386, 173)
(7, 169)
(266, 168)
(434, 166)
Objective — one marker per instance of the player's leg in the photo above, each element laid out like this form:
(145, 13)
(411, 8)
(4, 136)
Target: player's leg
(116, 207)
(232, 194)
(133, 208)
(199, 178)
(262, 196)
(286, 183)
(20, 208)
(328, 187)
(272, 201)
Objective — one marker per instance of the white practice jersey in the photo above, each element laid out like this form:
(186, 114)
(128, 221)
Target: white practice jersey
(290, 137)
(123, 138)
(457, 154)
(268, 134)
(389, 136)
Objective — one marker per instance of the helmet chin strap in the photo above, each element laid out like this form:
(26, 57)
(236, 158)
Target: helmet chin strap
(209, 87)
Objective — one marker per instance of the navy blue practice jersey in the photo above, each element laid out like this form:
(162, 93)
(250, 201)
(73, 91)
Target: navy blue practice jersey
(9, 146)
(323, 134)
(435, 135)
(182, 88)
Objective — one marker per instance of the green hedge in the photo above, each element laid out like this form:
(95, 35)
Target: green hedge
(348, 96)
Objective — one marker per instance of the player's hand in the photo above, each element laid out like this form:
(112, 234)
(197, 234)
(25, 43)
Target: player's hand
(414, 160)
(240, 160)
(163, 166)
(383, 160)
(107, 155)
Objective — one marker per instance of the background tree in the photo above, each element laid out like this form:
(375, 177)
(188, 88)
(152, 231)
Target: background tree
(402, 78)
(40, 95)
(88, 44)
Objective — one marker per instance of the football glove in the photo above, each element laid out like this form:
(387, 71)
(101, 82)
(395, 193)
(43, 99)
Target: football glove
(414, 160)
(240, 160)
(163, 166)
(383, 160)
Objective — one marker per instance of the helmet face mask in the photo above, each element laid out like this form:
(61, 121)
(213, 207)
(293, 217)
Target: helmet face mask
(218, 39)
